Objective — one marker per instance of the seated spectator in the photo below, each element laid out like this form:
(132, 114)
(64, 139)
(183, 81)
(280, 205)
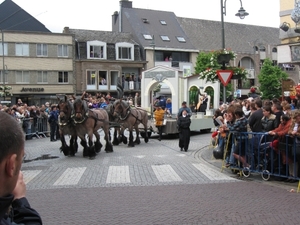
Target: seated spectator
(279, 134)
(239, 126)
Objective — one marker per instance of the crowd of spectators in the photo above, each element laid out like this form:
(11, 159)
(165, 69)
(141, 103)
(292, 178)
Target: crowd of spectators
(274, 119)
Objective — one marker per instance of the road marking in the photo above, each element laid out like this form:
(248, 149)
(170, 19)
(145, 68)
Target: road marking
(30, 174)
(139, 156)
(211, 173)
(165, 173)
(118, 174)
(181, 155)
(71, 176)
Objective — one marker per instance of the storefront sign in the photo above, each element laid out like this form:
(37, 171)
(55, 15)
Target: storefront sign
(32, 89)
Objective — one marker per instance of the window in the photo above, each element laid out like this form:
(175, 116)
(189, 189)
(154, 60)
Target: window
(262, 48)
(42, 77)
(124, 53)
(274, 50)
(41, 49)
(147, 36)
(91, 78)
(163, 22)
(5, 49)
(22, 49)
(96, 51)
(22, 77)
(165, 38)
(181, 39)
(62, 50)
(114, 77)
(63, 77)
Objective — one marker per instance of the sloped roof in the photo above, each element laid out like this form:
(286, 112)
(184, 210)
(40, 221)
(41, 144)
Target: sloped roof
(206, 35)
(105, 36)
(13, 17)
(145, 21)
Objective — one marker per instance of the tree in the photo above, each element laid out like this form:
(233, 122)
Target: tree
(270, 78)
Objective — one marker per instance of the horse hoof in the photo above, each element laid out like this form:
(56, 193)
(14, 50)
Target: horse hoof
(131, 145)
(92, 157)
(146, 140)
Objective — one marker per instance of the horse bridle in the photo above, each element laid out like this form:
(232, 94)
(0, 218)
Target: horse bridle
(69, 120)
(120, 113)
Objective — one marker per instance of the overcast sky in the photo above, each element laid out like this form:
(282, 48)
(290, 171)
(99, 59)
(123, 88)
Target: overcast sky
(96, 14)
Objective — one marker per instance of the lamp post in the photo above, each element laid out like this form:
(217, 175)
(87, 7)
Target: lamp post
(242, 14)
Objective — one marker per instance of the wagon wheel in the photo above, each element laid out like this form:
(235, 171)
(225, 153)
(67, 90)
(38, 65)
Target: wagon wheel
(265, 175)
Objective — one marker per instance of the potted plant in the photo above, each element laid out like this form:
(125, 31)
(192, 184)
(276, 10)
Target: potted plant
(224, 55)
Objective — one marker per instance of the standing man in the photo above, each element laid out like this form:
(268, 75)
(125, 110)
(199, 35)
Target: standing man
(184, 107)
(183, 123)
(159, 114)
(53, 121)
(14, 207)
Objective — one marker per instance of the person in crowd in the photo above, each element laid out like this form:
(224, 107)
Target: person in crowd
(279, 134)
(159, 115)
(137, 100)
(256, 116)
(19, 103)
(218, 115)
(294, 132)
(184, 107)
(15, 208)
(183, 124)
(277, 111)
(169, 106)
(286, 107)
(246, 107)
(239, 126)
(268, 121)
(53, 121)
(102, 104)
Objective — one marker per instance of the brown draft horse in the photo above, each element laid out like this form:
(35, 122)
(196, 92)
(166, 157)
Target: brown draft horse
(67, 127)
(89, 121)
(130, 118)
(118, 134)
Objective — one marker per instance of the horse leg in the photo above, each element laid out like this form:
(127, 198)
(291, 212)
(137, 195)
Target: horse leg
(146, 139)
(64, 147)
(85, 147)
(91, 148)
(137, 138)
(131, 143)
(116, 140)
(108, 146)
(73, 145)
(122, 137)
(98, 144)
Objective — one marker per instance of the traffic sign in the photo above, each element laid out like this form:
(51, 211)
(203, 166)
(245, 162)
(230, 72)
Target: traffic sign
(224, 76)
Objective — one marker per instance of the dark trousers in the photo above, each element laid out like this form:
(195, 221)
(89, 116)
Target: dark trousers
(184, 138)
(159, 131)
(53, 131)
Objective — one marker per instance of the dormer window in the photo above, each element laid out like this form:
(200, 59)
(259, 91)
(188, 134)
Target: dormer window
(163, 22)
(165, 38)
(181, 39)
(147, 36)
(124, 51)
(96, 50)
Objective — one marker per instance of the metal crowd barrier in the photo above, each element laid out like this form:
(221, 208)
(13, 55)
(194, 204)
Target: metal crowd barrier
(266, 155)
(35, 127)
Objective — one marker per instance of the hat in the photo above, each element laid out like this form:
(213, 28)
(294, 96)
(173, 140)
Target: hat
(183, 103)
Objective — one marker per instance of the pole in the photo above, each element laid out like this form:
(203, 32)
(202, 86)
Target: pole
(223, 45)
(3, 69)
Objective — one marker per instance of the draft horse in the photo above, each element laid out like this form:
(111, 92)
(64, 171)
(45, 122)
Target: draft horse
(67, 127)
(118, 134)
(89, 121)
(131, 118)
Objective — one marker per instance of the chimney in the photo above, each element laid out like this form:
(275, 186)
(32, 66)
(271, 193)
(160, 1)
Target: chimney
(126, 4)
(66, 30)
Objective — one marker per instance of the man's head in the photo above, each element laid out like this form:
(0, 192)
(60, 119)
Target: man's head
(11, 153)
(183, 104)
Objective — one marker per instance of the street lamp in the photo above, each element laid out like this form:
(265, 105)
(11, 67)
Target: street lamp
(242, 14)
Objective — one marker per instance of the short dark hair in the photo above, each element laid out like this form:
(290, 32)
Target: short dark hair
(239, 112)
(11, 136)
(258, 102)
